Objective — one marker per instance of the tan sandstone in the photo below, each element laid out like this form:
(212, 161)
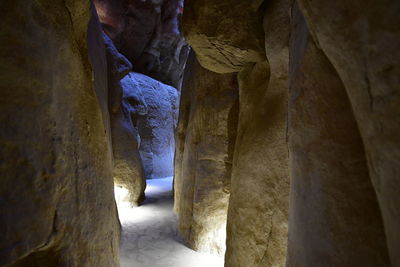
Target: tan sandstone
(205, 140)
(57, 205)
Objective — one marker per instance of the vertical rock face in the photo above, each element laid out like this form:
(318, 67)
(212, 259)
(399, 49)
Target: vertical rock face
(226, 35)
(257, 218)
(361, 39)
(334, 216)
(155, 111)
(205, 140)
(148, 34)
(56, 186)
(258, 206)
(128, 171)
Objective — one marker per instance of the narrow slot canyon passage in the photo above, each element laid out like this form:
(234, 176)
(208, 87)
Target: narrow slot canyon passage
(200, 133)
(150, 232)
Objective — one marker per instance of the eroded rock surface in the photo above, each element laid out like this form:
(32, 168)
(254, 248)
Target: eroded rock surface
(334, 216)
(205, 141)
(128, 170)
(148, 34)
(156, 106)
(258, 206)
(56, 187)
(226, 35)
(361, 40)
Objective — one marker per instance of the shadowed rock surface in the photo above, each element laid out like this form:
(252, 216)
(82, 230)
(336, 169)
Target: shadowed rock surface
(334, 187)
(56, 188)
(128, 171)
(61, 94)
(205, 137)
(226, 35)
(148, 34)
(155, 118)
(361, 40)
(258, 207)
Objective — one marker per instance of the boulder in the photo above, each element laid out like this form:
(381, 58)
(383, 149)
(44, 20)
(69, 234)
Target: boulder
(56, 186)
(155, 118)
(258, 206)
(334, 217)
(205, 139)
(226, 35)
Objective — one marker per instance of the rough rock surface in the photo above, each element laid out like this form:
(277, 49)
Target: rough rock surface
(334, 215)
(226, 35)
(205, 140)
(156, 106)
(258, 206)
(56, 188)
(128, 171)
(147, 32)
(361, 40)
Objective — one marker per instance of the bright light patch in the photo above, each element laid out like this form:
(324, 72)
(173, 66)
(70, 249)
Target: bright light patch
(149, 232)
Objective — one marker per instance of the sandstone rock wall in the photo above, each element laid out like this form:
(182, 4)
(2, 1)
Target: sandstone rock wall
(334, 216)
(128, 170)
(56, 185)
(205, 140)
(258, 207)
(226, 35)
(148, 34)
(361, 40)
(154, 112)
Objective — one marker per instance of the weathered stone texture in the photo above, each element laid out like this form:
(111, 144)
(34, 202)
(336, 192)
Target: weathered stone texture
(128, 171)
(226, 35)
(361, 40)
(155, 112)
(56, 185)
(258, 206)
(148, 34)
(257, 217)
(205, 140)
(334, 215)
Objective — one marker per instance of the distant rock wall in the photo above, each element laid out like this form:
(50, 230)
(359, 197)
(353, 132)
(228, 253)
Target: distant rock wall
(147, 32)
(155, 112)
(56, 186)
(128, 169)
(205, 139)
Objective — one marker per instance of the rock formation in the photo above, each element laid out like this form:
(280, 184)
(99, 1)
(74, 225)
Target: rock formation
(226, 35)
(258, 207)
(334, 216)
(205, 140)
(257, 220)
(155, 111)
(56, 185)
(128, 171)
(75, 113)
(147, 32)
(361, 40)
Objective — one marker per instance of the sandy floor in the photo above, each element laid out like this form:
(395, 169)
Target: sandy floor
(149, 233)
